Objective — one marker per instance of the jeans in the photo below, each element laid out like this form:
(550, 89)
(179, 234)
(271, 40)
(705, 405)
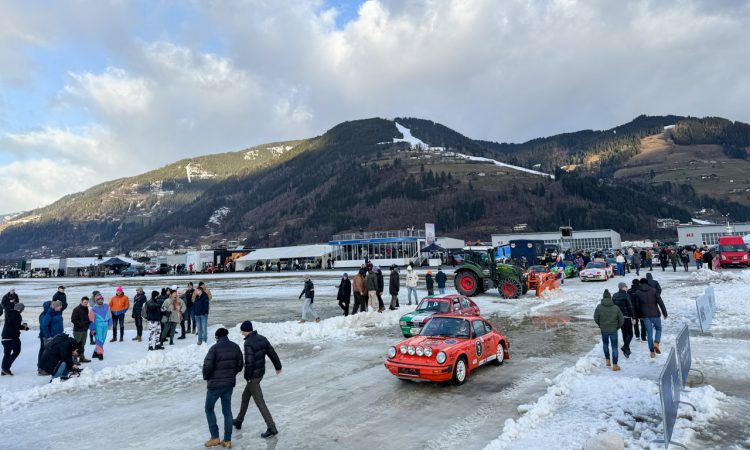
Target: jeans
(138, 325)
(11, 350)
(212, 396)
(627, 335)
(610, 338)
(621, 269)
(202, 325)
(698, 264)
(637, 268)
(412, 290)
(651, 324)
(62, 371)
(308, 308)
(118, 318)
(252, 389)
(650, 264)
(441, 290)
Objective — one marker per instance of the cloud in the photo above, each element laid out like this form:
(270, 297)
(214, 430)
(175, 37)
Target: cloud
(206, 77)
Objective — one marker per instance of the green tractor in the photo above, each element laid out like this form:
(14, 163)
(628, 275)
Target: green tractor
(480, 272)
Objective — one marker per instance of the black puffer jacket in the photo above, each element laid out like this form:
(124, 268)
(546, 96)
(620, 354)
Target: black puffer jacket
(649, 302)
(257, 348)
(222, 364)
(394, 284)
(13, 325)
(62, 298)
(58, 349)
(381, 282)
(345, 290)
(622, 300)
(138, 301)
(152, 310)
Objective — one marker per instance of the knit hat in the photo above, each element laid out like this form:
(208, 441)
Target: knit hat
(119, 289)
(19, 307)
(607, 295)
(246, 326)
(621, 285)
(221, 332)
(346, 275)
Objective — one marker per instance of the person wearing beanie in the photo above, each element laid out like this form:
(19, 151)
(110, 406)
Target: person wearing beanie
(118, 306)
(308, 308)
(622, 300)
(101, 322)
(220, 368)
(138, 301)
(394, 285)
(257, 348)
(429, 283)
(344, 294)
(650, 308)
(151, 313)
(609, 318)
(11, 337)
(411, 283)
(440, 279)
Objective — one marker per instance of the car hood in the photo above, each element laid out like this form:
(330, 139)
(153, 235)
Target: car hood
(435, 343)
(418, 315)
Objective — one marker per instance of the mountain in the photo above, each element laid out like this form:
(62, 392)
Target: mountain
(387, 174)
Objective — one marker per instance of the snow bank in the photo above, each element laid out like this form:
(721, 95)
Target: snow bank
(588, 399)
(705, 275)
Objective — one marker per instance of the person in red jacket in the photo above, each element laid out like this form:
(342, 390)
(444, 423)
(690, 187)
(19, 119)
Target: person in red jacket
(118, 306)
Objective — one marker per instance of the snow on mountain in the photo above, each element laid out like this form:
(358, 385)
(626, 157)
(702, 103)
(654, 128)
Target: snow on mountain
(195, 170)
(218, 216)
(251, 155)
(279, 150)
(501, 164)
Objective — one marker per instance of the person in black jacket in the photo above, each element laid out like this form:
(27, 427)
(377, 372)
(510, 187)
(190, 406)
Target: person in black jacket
(381, 287)
(81, 321)
(257, 348)
(394, 284)
(152, 313)
(220, 368)
(57, 359)
(344, 295)
(61, 297)
(188, 323)
(9, 300)
(138, 301)
(653, 283)
(650, 308)
(622, 300)
(308, 308)
(11, 337)
(639, 330)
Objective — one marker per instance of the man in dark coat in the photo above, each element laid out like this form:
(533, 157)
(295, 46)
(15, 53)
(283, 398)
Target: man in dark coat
(394, 284)
(650, 307)
(220, 368)
(708, 259)
(440, 279)
(381, 288)
(639, 330)
(200, 310)
(609, 318)
(10, 299)
(57, 359)
(81, 321)
(344, 294)
(138, 301)
(11, 337)
(622, 300)
(653, 283)
(257, 348)
(61, 297)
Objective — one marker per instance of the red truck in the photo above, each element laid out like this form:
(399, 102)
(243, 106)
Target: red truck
(733, 252)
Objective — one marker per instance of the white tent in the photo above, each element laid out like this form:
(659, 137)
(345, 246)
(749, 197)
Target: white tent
(286, 253)
(747, 240)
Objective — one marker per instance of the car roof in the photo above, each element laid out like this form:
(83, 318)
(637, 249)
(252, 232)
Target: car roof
(443, 297)
(454, 316)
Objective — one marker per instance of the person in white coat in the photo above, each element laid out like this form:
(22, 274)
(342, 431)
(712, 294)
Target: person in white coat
(411, 284)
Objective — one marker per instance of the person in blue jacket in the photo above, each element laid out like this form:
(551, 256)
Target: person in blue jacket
(50, 325)
(200, 309)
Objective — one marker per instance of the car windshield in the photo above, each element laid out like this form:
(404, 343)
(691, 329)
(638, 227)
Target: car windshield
(538, 269)
(732, 248)
(596, 265)
(447, 327)
(434, 305)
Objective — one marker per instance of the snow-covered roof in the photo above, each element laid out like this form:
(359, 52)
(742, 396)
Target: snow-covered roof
(82, 262)
(45, 263)
(299, 251)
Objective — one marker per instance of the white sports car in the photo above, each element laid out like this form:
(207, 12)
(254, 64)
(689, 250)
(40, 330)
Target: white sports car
(597, 271)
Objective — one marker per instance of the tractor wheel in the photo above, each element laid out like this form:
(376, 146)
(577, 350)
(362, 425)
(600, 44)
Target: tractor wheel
(509, 288)
(467, 283)
(524, 288)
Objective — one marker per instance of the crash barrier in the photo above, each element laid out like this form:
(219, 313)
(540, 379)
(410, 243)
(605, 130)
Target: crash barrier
(684, 355)
(706, 306)
(670, 384)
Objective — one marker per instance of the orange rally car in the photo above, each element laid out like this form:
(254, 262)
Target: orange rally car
(449, 348)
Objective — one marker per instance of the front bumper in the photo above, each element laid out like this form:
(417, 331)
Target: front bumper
(419, 372)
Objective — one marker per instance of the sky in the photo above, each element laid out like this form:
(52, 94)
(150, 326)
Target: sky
(93, 90)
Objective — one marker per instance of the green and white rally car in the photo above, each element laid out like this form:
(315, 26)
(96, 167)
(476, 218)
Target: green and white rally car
(411, 324)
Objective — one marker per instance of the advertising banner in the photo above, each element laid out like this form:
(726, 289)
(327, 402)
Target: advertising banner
(684, 358)
(429, 234)
(706, 305)
(669, 392)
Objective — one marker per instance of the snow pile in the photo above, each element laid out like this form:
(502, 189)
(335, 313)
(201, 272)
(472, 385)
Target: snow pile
(588, 399)
(705, 275)
(218, 215)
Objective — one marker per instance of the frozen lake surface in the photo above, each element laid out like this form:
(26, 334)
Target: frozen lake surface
(335, 393)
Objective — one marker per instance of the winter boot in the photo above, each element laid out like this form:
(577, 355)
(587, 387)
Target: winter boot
(609, 363)
(237, 424)
(137, 338)
(94, 355)
(84, 360)
(269, 432)
(615, 368)
(42, 373)
(122, 332)
(226, 444)
(213, 442)
(653, 354)
(114, 339)
(301, 321)
(317, 320)
(150, 348)
(656, 348)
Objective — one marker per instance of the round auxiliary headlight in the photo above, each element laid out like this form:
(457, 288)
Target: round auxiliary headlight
(420, 351)
(410, 350)
(403, 349)
(428, 352)
(392, 352)
(441, 357)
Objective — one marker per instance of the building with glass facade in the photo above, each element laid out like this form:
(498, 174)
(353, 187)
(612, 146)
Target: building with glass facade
(580, 239)
(700, 235)
(381, 247)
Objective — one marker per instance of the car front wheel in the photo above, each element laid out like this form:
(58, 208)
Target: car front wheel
(500, 353)
(460, 371)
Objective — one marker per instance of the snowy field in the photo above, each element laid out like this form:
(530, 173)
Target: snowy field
(335, 393)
